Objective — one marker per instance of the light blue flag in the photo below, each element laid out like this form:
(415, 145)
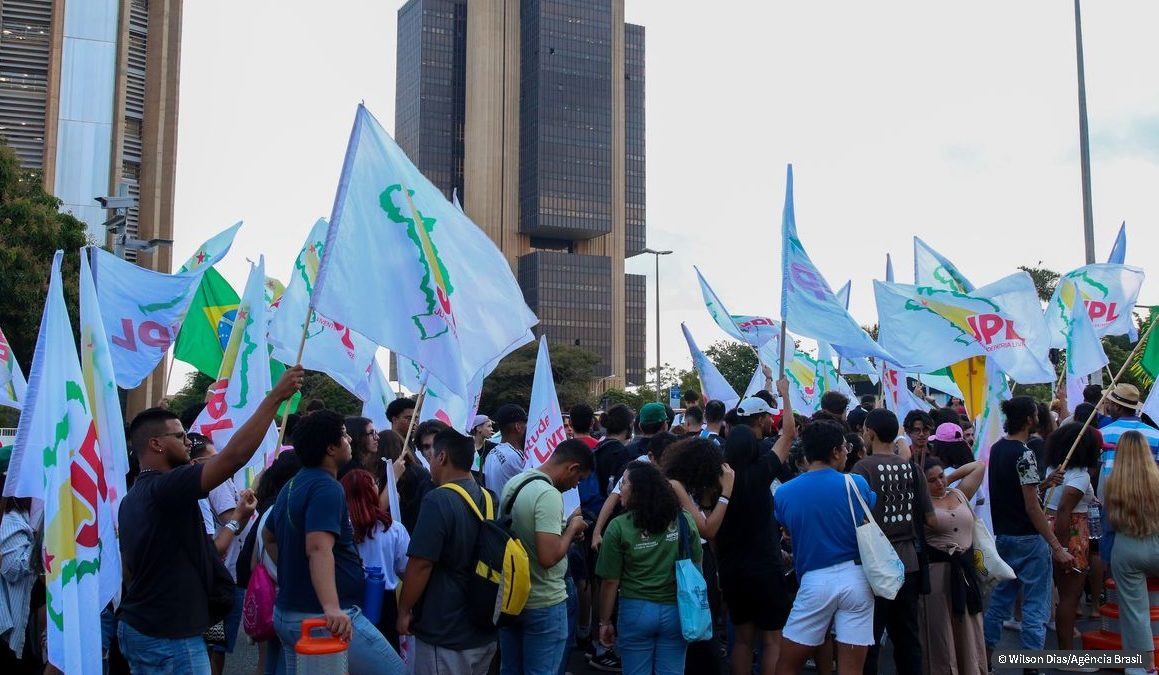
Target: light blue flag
(808, 304)
(1071, 329)
(142, 310)
(440, 292)
(858, 364)
(715, 386)
(889, 268)
(1119, 250)
(754, 330)
(929, 329)
(934, 270)
(1109, 292)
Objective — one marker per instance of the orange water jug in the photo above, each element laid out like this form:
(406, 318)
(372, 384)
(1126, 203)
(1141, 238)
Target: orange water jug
(320, 655)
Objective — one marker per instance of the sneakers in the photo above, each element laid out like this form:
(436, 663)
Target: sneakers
(1011, 624)
(608, 662)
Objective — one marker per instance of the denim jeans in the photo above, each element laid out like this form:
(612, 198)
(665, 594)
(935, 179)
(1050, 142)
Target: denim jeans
(572, 617)
(1029, 557)
(162, 656)
(368, 651)
(649, 638)
(535, 643)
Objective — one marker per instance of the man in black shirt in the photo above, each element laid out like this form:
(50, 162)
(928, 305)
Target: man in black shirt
(1025, 540)
(175, 584)
(433, 605)
(748, 542)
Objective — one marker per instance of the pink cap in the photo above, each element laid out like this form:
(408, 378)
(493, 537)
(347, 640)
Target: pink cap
(949, 432)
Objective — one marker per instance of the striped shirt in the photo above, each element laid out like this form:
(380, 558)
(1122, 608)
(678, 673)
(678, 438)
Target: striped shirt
(1111, 434)
(18, 564)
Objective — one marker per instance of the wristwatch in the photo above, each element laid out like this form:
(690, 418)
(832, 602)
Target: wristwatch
(233, 526)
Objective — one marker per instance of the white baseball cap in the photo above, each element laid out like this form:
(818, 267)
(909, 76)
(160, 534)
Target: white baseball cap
(754, 406)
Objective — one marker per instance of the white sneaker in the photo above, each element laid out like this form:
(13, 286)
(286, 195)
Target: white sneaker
(1011, 624)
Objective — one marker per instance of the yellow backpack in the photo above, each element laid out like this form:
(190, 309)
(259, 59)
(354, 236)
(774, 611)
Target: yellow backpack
(500, 582)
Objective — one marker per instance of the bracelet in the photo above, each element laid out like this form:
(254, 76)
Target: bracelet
(722, 499)
(605, 623)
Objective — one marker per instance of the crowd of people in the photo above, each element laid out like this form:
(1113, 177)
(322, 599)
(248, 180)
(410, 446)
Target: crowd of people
(375, 531)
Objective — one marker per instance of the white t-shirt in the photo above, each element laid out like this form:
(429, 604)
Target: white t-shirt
(386, 549)
(503, 463)
(221, 499)
(620, 480)
(1079, 479)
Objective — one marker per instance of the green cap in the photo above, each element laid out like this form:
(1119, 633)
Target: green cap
(652, 413)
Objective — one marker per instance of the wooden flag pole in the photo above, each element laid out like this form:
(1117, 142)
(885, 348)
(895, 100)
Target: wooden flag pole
(168, 374)
(410, 429)
(297, 362)
(1103, 398)
(784, 332)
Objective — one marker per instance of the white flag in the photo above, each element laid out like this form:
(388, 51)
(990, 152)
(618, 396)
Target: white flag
(330, 347)
(12, 382)
(545, 428)
(378, 396)
(715, 386)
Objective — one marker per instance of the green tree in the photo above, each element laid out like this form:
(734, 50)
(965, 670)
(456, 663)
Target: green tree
(572, 369)
(335, 396)
(31, 230)
(193, 391)
(735, 361)
(613, 396)
(670, 376)
(1044, 280)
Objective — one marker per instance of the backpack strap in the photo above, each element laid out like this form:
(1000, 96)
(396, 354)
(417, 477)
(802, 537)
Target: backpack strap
(488, 505)
(515, 493)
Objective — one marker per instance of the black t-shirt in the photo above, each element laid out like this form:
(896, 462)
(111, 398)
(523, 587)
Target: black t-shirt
(748, 542)
(1012, 465)
(413, 485)
(611, 456)
(164, 550)
(445, 533)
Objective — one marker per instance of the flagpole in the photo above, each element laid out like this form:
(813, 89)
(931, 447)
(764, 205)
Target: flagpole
(784, 331)
(168, 374)
(1106, 392)
(414, 418)
(298, 362)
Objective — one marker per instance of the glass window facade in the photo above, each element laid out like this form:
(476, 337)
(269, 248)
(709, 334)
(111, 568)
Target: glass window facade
(572, 296)
(635, 327)
(634, 169)
(565, 120)
(431, 88)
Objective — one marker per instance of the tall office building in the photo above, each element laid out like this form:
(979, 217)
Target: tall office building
(533, 111)
(88, 97)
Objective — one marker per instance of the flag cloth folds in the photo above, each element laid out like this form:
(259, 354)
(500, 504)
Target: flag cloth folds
(244, 379)
(1109, 291)
(207, 325)
(378, 397)
(101, 388)
(715, 386)
(857, 365)
(1002, 321)
(753, 330)
(330, 346)
(1119, 249)
(808, 304)
(446, 296)
(1072, 330)
(888, 267)
(933, 269)
(545, 428)
(896, 394)
(12, 382)
(56, 460)
(142, 310)
(439, 402)
(988, 429)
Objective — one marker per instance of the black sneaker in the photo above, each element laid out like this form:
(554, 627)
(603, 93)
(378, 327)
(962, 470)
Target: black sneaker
(607, 662)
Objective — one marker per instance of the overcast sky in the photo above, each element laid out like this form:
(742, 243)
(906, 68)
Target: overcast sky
(955, 122)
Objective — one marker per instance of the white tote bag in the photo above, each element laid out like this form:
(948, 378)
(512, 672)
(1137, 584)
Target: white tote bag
(990, 566)
(883, 569)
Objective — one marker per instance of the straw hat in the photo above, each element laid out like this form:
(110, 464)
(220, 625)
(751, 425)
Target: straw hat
(1125, 395)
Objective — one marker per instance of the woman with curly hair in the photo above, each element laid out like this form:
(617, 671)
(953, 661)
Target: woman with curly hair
(699, 476)
(1131, 494)
(638, 561)
(381, 542)
(1066, 511)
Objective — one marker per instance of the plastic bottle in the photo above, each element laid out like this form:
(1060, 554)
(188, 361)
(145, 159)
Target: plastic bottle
(375, 588)
(1095, 520)
(319, 655)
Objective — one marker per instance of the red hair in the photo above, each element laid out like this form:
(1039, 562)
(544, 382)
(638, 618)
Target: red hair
(362, 502)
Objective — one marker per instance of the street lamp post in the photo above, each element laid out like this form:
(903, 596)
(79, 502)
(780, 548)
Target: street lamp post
(659, 395)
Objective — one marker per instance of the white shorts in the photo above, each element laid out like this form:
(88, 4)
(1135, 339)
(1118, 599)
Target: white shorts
(839, 594)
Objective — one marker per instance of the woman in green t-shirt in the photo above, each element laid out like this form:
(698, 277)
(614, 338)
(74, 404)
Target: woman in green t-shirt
(638, 560)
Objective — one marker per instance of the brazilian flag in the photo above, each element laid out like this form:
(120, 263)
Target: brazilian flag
(205, 333)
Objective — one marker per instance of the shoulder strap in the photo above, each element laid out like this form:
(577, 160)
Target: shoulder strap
(490, 507)
(515, 493)
(685, 545)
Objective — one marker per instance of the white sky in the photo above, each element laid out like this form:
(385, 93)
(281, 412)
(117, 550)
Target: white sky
(956, 122)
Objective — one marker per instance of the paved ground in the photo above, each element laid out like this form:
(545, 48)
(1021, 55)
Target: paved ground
(244, 662)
